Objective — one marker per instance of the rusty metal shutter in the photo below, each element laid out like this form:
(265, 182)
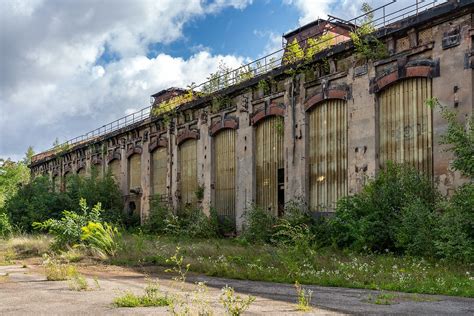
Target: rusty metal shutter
(159, 172)
(188, 172)
(269, 159)
(405, 124)
(327, 154)
(224, 173)
(115, 170)
(134, 171)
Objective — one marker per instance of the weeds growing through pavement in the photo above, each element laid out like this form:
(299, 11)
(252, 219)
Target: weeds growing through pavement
(304, 297)
(234, 304)
(56, 270)
(78, 283)
(178, 266)
(152, 297)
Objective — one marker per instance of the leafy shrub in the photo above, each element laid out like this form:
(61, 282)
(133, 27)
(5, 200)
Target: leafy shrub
(456, 232)
(258, 224)
(67, 231)
(101, 238)
(5, 227)
(156, 220)
(294, 227)
(36, 202)
(372, 218)
(105, 190)
(416, 232)
(461, 140)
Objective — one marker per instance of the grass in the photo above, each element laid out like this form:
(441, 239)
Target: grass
(151, 297)
(23, 246)
(55, 270)
(327, 267)
(394, 298)
(234, 259)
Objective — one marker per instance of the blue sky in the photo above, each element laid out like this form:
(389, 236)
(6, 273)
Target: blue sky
(233, 31)
(68, 67)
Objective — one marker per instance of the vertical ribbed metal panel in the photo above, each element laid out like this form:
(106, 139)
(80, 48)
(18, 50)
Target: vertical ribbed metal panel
(269, 158)
(188, 172)
(327, 154)
(405, 124)
(159, 172)
(114, 167)
(224, 173)
(134, 171)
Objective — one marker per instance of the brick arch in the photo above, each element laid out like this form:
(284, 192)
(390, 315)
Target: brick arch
(227, 123)
(417, 69)
(272, 110)
(157, 143)
(114, 156)
(338, 94)
(187, 134)
(134, 150)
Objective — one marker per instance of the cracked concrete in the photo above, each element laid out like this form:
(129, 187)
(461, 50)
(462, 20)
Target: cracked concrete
(25, 291)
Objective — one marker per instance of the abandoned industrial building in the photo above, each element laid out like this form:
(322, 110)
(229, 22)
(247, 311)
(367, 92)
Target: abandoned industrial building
(272, 131)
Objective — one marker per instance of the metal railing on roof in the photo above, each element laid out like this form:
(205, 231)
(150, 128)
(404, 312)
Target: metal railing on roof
(381, 18)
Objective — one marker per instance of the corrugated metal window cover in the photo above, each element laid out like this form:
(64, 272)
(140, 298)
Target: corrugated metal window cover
(159, 172)
(224, 173)
(134, 171)
(269, 158)
(405, 125)
(188, 172)
(115, 170)
(327, 154)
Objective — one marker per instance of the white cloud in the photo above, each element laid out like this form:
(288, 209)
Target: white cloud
(51, 85)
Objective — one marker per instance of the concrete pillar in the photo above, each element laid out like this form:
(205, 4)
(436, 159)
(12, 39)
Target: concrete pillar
(245, 166)
(361, 131)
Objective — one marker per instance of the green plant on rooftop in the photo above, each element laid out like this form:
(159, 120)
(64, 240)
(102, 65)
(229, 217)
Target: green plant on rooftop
(367, 45)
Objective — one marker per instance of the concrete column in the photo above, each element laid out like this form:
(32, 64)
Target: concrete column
(361, 132)
(204, 167)
(295, 170)
(173, 156)
(245, 166)
(145, 177)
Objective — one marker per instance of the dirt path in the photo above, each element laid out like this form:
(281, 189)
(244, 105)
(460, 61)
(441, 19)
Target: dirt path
(25, 291)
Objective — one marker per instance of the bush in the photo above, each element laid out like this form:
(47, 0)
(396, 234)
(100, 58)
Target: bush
(416, 232)
(373, 218)
(258, 224)
(101, 238)
(67, 231)
(156, 220)
(456, 232)
(37, 202)
(5, 227)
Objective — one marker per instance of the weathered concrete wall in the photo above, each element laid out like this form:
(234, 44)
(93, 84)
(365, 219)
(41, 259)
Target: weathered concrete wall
(430, 50)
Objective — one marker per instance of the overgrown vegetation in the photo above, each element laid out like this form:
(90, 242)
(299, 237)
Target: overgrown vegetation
(367, 45)
(37, 201)
(152, 297)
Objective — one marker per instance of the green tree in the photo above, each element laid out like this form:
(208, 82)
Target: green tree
(12, 176)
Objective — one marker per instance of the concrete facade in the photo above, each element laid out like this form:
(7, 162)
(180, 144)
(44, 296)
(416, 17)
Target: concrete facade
(437, 44)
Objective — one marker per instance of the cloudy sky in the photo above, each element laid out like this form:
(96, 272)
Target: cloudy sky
(69, 66)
